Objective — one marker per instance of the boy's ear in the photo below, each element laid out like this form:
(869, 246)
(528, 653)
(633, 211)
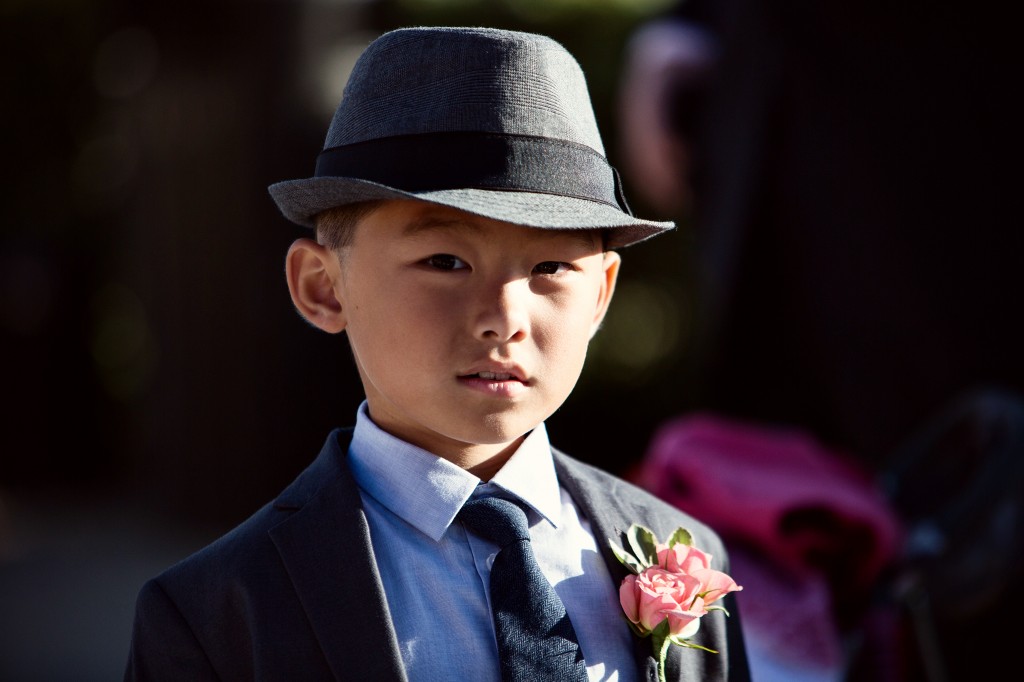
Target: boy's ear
(314, 273)
(611, 263)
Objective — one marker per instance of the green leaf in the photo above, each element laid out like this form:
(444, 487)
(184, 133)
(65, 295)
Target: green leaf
(644, 544)
(690, 645)
(619, 553)
(680, 537)
(625, 558)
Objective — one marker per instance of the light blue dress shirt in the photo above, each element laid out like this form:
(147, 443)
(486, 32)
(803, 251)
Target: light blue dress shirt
(436, 574)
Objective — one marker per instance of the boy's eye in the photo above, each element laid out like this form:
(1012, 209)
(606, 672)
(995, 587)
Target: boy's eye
(446, 261)
(551, 267)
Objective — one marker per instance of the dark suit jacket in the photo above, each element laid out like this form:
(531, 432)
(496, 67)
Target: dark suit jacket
(294, 593)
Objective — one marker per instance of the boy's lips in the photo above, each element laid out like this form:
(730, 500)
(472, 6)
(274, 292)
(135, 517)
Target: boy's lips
(495, 388)
(496, 372)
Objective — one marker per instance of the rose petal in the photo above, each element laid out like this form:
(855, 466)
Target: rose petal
(683, 624)
(715, 584)
(628, 598)
(683, 558)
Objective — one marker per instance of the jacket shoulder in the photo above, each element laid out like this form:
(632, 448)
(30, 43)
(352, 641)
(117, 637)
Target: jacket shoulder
(614, 500)
(239, 552)
(221, 607)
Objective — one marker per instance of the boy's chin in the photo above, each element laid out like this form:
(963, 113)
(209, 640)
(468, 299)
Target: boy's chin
(489, 436)
(505, 429)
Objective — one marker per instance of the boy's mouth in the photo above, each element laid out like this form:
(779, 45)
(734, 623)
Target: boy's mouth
(495, 376)
(503, 385)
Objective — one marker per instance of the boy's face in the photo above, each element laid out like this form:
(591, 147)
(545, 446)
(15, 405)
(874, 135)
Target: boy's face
(468, 332)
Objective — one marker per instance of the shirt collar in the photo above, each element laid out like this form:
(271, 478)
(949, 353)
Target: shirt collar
(427, 491)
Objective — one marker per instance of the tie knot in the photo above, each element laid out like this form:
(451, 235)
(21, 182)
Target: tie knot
(498, 520)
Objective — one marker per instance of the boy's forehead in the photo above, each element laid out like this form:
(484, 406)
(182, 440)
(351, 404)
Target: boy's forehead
(416, 218)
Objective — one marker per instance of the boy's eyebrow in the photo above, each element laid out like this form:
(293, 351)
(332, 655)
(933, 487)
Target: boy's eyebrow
(433, 222)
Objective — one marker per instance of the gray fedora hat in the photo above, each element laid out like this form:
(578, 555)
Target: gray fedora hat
(493, 122)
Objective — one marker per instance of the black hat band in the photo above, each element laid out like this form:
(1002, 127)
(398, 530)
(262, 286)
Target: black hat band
(467, 160)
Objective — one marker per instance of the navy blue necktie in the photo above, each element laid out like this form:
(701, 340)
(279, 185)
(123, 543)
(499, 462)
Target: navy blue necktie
(536, 640)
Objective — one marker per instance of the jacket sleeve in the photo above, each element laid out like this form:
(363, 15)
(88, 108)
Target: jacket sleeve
(163, 646)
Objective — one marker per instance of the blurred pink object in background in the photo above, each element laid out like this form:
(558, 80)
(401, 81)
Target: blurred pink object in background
(808, 532)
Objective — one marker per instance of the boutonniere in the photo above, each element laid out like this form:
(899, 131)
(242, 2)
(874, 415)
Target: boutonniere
(671, 588)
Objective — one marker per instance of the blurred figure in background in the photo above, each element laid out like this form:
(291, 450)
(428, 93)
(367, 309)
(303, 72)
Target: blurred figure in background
(669, 65)
(846, 170)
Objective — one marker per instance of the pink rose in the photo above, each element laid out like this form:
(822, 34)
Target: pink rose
(693, 562)
(657, 594)
(682, 558)
(671, 588)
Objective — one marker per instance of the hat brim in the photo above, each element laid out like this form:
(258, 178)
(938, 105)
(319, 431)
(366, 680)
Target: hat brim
(301, 200)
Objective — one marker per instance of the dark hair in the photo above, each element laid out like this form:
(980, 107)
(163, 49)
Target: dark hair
(335, 227)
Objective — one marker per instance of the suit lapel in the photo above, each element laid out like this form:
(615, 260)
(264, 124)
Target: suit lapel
(601, 505)
(325, 546)
(608, 509)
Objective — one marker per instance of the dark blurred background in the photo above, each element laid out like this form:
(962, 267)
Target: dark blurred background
(159, 385)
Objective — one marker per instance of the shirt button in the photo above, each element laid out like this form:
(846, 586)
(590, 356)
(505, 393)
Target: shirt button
(490, 560)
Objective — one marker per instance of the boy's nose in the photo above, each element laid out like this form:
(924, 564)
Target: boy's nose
(503, 313)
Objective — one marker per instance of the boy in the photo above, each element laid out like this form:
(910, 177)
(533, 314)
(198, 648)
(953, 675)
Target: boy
(464, 215)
